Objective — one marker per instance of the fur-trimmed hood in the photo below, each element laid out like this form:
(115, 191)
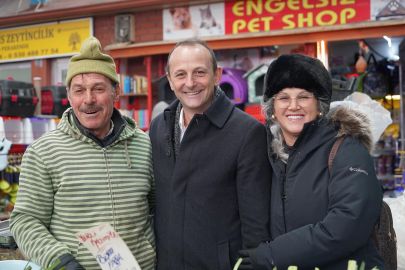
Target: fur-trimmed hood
(353, 123)
(347, 122)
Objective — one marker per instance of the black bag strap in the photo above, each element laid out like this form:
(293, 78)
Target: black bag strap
(332, 155)
(374, 60)
(334, 150)
(375, 239)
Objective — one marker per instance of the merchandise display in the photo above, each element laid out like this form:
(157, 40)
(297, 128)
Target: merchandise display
(141, 117)
(133, 84)
(255, 78)
(16, 133)
(165, 92)
(341, 89)
(378, 77)
(255, 110)
(234, 85)
(17, 98)
(54, 100)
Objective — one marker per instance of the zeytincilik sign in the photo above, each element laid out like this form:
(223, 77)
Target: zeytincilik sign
(56, 39)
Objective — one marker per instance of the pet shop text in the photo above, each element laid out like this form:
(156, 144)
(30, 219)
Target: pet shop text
(261, 15)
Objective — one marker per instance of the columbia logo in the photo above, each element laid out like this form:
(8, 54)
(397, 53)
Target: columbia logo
(358, 170)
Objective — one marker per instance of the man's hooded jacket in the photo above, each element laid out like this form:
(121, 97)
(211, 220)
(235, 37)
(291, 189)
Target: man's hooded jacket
(70, 182)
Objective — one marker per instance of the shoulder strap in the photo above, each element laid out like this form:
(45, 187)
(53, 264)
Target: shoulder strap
(332, 155)
(371, 57)
(374, 236)
(334, 151)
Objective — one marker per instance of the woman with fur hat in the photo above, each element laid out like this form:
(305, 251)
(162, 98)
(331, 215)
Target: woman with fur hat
(318, 218)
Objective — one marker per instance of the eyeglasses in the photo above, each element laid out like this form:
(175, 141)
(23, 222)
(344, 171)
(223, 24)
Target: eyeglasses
(284, 100)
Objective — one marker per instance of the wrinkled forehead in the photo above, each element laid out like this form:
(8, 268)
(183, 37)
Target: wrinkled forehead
(89, 79)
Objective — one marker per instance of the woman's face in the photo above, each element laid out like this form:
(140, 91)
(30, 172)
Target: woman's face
(293, 107)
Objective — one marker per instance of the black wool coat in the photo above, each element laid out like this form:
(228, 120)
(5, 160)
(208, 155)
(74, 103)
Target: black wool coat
(215, 196)
(325, 219)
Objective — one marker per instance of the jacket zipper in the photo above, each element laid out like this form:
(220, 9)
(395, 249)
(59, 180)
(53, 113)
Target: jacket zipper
(110, 187)
(283, 198)
(284, 195)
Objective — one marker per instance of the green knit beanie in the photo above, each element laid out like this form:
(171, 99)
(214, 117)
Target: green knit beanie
(91, 60)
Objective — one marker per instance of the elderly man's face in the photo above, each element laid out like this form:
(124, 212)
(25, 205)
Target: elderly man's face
(92, 98)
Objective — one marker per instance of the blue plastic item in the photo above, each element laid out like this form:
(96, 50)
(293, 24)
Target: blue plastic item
(17, 265)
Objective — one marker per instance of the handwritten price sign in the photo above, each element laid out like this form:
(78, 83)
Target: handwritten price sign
(108, 248)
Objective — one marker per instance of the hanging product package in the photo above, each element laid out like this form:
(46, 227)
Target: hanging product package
(376, 82)
(380, 118)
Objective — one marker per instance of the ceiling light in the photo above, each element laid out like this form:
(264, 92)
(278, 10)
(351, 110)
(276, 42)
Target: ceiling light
(388, 40)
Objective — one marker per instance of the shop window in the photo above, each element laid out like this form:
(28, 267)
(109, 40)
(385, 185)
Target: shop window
(59, 70)
(20, 71)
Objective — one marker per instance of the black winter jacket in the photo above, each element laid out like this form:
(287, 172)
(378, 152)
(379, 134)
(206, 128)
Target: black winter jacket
(325, 219)
(215, 196)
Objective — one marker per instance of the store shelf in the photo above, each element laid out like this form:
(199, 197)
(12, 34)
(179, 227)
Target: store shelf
(383, 152)
(3, 218)
(385, 177)
(147, 62)
(370, 29)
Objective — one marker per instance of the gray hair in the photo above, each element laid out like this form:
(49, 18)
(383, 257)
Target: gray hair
(193, 42)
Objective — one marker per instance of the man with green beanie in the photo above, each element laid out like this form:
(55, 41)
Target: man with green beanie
(95, 168)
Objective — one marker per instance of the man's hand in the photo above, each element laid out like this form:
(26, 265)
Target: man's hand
(249, 259)
(69, 262)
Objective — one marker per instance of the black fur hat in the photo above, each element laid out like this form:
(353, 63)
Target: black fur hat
(300, 71)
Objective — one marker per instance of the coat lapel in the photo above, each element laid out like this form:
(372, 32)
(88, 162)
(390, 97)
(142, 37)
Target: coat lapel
(169, 117)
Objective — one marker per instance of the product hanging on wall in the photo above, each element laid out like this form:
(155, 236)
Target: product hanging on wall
(54, 100)
(255, 79)
(17, 98)
(234, 85)
(166, 93)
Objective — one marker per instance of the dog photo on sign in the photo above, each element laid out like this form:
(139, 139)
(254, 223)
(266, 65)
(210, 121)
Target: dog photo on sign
(194, 21)
(181, 20)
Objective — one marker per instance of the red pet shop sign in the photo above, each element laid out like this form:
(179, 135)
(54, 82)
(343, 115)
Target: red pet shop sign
(265, 15)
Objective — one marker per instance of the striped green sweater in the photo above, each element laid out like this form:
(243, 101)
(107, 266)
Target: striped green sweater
(69, 183)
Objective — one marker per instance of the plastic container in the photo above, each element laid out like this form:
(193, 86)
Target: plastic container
(165, 92)
(39, 127)
(28, 133)
(255, 78)
(54, 100)
(13, 129)
(17, 98)
(234, 85)
(2, 131)
(51, 124)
